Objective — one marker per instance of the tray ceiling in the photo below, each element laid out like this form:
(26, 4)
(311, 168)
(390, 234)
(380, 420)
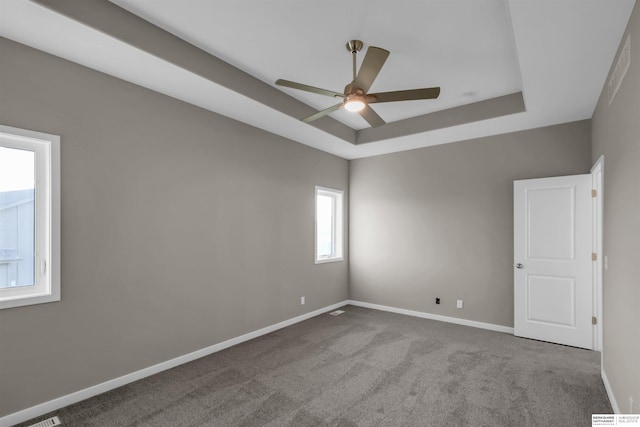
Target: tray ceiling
(502, 65)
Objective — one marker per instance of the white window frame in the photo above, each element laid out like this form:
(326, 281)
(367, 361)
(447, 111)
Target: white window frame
(47, 217)
(337, 228)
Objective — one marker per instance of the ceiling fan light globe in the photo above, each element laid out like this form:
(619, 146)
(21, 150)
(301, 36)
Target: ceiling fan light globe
(354, 104)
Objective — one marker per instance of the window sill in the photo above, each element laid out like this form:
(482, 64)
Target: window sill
(29, 300)
(325, 260)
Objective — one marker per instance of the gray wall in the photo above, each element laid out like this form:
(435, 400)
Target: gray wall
(180, 229)
(616, 135)
(438, 221)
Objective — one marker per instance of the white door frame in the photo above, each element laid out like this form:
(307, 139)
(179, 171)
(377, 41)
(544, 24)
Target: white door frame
(597, 177)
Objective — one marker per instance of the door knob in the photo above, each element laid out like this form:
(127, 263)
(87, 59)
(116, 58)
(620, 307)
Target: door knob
(518, 265)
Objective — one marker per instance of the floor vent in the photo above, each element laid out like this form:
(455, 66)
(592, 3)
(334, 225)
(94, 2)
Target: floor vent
(337, 312)
(49, 422)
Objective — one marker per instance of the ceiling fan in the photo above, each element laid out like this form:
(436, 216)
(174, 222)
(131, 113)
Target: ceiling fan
(355, 97)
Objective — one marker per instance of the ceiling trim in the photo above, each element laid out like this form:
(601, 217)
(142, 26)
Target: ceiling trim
(469, 113)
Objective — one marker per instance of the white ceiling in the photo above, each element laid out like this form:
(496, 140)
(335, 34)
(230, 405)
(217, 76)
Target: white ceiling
(556, 52)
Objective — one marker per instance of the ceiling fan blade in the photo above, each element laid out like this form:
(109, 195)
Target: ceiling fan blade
(294, 85)
(404, 95)
(322, 113)
(371, 117)
(371, 65)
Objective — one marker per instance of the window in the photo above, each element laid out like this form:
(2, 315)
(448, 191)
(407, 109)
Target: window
(328, 225)
(29, 217)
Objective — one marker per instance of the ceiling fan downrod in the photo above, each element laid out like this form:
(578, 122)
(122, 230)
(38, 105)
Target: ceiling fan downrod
(354, 46)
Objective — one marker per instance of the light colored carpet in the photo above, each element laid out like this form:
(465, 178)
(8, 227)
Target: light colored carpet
(364, 368)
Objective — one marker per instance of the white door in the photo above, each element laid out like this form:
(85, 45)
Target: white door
(552, 260)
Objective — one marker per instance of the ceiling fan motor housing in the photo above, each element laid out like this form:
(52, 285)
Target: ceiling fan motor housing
(354, 99)
(351, 89)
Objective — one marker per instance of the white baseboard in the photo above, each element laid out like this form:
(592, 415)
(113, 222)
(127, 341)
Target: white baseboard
(465, 322)
(612, 398)
(61, 402)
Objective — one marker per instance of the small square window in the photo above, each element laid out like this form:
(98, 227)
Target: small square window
(329, 225)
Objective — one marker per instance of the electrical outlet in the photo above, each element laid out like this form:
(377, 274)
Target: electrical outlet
(302, 301)
(437, 300)
(606, 262)
(459, 303)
